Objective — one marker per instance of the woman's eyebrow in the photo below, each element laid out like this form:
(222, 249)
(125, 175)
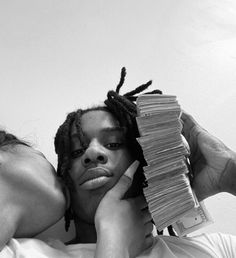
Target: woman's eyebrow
(106, 130)
(116, 129)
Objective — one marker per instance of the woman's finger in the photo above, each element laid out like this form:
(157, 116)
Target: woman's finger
(146, 216)
(125, 181)
(141, 202)
(148, 228)
(148, 241)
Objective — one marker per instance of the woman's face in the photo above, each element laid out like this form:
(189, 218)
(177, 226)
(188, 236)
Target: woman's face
(23, 160)
(97, 167)
(29, 181)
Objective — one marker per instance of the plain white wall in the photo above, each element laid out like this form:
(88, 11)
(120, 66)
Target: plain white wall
(58, 55)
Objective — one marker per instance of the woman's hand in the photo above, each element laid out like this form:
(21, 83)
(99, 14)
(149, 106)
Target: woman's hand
(124, 227)
(213, 163)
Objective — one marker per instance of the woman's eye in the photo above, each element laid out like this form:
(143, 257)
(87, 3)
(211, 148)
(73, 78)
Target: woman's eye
(77, 153)
(114, 145)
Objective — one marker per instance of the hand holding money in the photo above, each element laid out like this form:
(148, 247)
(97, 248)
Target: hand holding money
(213, 163)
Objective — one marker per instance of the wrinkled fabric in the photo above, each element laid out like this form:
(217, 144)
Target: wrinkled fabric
(206, 245)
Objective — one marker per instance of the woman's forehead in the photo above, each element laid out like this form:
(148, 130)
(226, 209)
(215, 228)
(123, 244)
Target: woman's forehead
(94, 120)
(98, 117)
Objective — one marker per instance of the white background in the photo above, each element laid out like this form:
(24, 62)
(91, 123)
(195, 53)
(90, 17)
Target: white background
(56, 56)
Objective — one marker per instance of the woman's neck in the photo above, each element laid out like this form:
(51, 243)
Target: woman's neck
(85, 233)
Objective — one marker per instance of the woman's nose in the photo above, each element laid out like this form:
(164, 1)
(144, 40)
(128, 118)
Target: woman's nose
(94, 154)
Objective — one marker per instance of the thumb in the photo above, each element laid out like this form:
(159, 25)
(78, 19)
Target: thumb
(124, 182)
(188, 123)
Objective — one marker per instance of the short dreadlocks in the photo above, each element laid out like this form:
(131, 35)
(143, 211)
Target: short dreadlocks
(123, 108)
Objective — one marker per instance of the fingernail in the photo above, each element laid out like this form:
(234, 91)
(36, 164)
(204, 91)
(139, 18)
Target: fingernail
(132, 169)
(186, 145)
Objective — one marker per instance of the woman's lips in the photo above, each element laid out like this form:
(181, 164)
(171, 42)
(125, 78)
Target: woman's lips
(94, 178)
(94, 183)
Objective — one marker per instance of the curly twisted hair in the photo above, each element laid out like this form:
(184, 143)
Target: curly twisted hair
(124, 109)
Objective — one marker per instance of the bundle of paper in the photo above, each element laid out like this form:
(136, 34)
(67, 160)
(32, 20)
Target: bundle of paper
(169, 194)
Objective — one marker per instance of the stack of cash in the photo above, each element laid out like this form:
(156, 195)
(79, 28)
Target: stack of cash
(169, 195)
